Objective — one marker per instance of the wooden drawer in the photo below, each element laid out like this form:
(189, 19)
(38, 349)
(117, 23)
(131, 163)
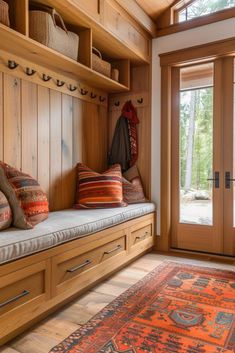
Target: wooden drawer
(122, 27)
(71, 268)
(141, 233)
(21, 293)
(22, 287)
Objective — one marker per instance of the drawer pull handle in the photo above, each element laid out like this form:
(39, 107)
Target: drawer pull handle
(142, 237)
(14, 299)
(113, 250)
(73, 269)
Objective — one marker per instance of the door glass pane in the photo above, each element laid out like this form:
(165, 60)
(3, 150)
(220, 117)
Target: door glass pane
(196, 144)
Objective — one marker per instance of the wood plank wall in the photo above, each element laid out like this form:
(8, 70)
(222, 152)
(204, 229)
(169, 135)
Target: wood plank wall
(140, 88)
(45, 133)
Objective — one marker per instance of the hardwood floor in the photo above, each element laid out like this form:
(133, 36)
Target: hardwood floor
(42, 337)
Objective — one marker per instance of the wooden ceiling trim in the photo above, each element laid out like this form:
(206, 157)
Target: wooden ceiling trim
(137, 12)
(154, 8)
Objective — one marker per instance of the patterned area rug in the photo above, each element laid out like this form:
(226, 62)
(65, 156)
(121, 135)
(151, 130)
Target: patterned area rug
(174, 309)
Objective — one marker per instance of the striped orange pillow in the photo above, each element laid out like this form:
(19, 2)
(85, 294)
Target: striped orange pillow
(96, 190)
(5, 212)
(27, 200)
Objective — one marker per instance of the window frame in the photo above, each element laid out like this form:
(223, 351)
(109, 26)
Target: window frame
(184, 4)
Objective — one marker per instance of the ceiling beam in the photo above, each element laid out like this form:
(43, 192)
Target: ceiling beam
(139, 15)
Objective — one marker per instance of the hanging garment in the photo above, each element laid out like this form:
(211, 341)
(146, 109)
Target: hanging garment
(129, 112)
(124, 149)
(120, 150)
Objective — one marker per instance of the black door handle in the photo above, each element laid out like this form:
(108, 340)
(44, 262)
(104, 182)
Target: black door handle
(228, 180)
(215, 179)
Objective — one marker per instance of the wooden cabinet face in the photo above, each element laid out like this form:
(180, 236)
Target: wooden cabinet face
(125, 30)
(92, 7)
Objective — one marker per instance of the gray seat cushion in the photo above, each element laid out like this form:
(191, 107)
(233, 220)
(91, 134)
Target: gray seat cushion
(63, 226)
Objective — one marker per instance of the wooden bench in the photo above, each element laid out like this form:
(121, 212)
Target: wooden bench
(35, 285)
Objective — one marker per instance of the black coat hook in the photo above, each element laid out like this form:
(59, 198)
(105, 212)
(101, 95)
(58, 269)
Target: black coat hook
(29, 72)
(72, 88)
(46, 77)
(60, 83)
(93, 95)
(117, 104)
(102, 99)
(140, 101)
(83, 92)
(12, 64)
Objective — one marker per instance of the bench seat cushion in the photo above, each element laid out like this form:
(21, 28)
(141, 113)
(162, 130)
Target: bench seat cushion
(63, 226)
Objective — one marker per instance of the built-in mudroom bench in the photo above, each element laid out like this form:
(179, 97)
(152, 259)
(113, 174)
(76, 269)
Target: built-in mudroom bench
(43, 268)
(57, 111)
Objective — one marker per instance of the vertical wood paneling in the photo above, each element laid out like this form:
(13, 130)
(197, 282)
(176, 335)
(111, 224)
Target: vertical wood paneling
(55, 151)
(95, 134)
(44, 138)
(1, 116)
(12, 121)
(46, 133)
(68, 190)
(78, 136)
(29, 128)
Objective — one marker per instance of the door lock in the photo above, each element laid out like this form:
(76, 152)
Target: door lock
(215, 180)
(228, 180)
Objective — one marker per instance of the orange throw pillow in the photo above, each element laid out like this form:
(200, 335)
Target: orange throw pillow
(132, 186)
(27, 200)
(5, 212)
(96, 190)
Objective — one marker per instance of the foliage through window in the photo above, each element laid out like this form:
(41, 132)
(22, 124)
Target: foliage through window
(203, 7)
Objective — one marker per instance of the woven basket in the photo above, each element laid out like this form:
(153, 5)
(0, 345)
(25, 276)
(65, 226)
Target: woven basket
(100, 65)
(4, 13)
(115, 75)
(44, 29)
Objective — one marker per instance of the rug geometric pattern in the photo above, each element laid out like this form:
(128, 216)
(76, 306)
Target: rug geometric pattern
(174, 309)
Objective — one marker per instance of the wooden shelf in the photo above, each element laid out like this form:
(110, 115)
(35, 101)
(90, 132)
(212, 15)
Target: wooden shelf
(105, 38)
(28, 49)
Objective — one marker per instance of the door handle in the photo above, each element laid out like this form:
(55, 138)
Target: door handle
(228, 180)
(215, 180)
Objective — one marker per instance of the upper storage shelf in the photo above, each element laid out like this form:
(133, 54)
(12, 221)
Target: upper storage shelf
(114, 32)
(28, 49)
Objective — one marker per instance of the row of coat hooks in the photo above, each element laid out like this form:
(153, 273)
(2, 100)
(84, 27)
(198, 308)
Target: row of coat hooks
(46, 78)
(140, 101)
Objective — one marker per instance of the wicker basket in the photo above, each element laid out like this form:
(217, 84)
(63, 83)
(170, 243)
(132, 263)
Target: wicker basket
(115, 75)
(44, 29)
(100, 65)
(4, 13)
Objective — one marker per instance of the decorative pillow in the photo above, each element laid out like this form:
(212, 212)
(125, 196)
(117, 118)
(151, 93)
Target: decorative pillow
(132, 187)
(96, 190)
(5, 212)
(27, 200)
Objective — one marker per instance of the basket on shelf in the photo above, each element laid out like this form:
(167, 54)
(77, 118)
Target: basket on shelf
(115, 74)
(100, 65)
(48, 28)
(4, 13)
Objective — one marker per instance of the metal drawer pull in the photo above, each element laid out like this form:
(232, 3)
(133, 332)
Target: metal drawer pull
(113, 250)
(142, 237)
(73, 269)
(14, 299)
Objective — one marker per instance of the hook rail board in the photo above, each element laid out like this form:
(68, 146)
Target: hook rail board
(139, 100)
(34, 73)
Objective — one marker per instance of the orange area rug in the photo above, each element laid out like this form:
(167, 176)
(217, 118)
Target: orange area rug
(174, 309)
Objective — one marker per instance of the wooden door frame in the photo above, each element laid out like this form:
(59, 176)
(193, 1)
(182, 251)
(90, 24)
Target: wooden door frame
(196, 54)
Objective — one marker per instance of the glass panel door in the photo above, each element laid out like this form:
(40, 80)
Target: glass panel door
(195, 162)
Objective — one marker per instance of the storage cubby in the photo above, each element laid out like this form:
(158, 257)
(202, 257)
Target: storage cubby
(18, 15)
(80, 69)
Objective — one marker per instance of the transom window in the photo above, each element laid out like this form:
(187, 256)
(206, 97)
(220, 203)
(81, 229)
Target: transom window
(198, 8)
